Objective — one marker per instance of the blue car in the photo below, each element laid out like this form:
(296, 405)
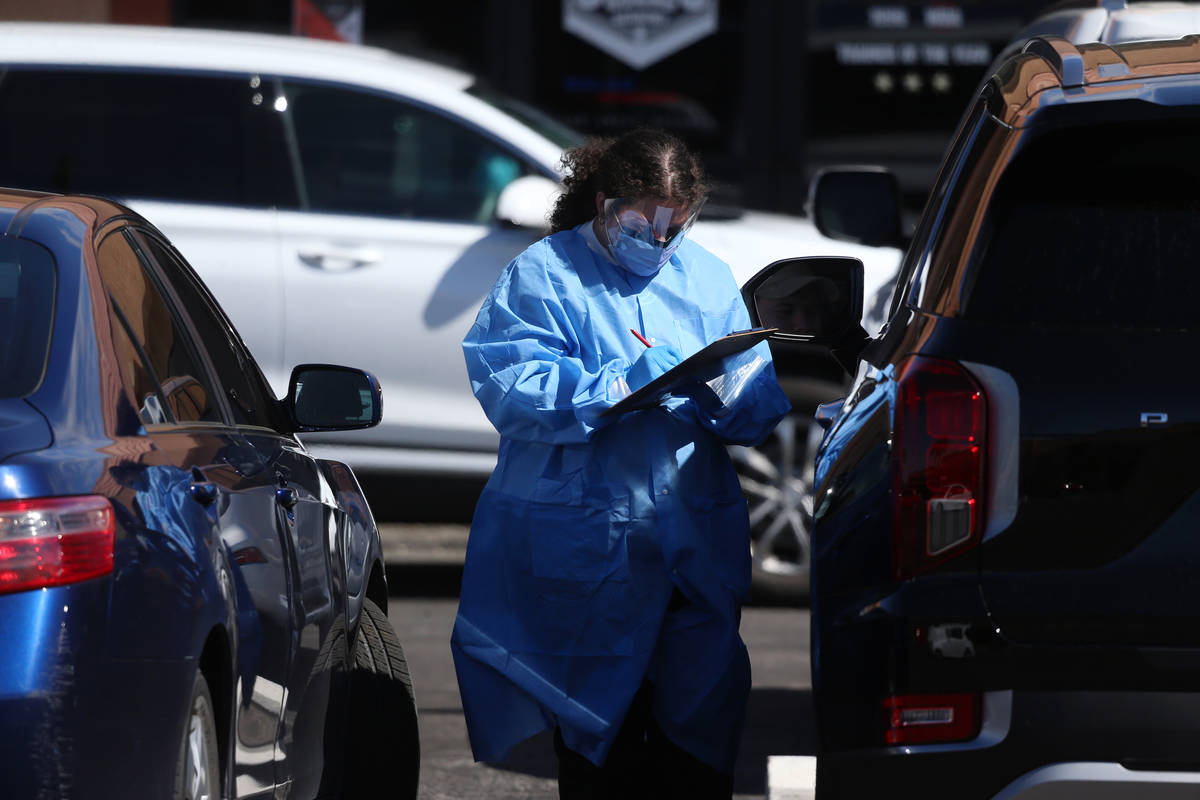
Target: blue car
(191, 604)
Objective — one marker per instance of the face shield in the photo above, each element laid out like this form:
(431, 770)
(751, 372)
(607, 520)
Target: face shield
(642, 234)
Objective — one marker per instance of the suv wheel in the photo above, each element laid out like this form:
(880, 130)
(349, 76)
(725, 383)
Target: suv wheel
(777, 481)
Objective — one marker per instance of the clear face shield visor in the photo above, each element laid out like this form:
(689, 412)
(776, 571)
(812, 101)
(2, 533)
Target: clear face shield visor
(644, 220)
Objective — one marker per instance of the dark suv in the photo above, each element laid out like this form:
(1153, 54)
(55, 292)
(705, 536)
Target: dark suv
(1006, 565)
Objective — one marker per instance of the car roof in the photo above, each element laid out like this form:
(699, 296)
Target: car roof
(162, 49)
(1052, 62)
(1110, 22)
(1137, 22)
(1114, 21)
(17, 206)
(198, 49)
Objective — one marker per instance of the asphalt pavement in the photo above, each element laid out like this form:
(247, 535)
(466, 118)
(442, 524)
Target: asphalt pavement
(779, 716)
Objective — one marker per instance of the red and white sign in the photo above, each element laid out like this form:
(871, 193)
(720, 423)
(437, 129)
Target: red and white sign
(321, 19)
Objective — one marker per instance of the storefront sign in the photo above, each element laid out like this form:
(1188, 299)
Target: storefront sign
(640, 32)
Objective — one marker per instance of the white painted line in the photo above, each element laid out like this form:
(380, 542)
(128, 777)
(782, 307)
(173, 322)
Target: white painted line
(791, 777)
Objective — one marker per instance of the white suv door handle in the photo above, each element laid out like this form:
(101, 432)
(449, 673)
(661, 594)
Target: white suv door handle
(340, 259)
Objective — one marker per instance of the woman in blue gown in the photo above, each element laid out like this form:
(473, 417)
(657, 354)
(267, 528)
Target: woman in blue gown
(609, 555)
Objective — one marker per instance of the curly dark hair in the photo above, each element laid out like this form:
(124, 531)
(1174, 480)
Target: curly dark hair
(644, 162)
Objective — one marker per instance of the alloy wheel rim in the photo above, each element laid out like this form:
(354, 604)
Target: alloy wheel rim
(777, 479)
(199, 758)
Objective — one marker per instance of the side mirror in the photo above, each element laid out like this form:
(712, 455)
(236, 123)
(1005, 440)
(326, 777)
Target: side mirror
(526, 202)
(323, 397)
(857, 204)
(817, 300)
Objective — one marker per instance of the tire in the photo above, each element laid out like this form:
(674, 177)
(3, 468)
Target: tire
(198, 771)
(383, 756)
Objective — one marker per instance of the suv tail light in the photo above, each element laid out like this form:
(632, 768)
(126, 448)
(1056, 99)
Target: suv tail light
(927, 718)
(940, 441)
(55, 540)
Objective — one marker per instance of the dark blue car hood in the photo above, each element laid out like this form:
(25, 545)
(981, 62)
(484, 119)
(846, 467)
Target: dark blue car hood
(22, 428)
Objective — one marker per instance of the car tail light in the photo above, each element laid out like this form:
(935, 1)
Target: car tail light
(939, 442)
(55, 540)
(928, 718)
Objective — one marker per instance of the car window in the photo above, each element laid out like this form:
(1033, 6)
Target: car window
(157, 358)
(948, 183)
(177, 137)
(250, 398)
(365, 153)
(1111, 242)
(560, 133)
(27, 283)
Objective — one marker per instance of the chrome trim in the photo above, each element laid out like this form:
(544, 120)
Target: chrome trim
(1099, 779)
(997, 720)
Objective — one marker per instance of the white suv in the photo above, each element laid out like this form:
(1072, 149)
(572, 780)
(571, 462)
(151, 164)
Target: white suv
(336, 199)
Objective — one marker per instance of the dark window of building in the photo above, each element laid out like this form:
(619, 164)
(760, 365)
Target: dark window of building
(369, 154)
(136, 135)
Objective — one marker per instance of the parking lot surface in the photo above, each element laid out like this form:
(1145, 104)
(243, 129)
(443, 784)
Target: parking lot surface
(422, 608)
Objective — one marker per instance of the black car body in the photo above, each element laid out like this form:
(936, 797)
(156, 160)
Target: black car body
(191, 605)
(1007, 512)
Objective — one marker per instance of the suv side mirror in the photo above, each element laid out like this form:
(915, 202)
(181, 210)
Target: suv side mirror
(857, 204)
(526, 202)
(324, 397)
(815, 302)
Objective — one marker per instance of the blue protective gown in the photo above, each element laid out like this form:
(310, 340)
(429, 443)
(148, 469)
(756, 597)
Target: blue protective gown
(587, 524)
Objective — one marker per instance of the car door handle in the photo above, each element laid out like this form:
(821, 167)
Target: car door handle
(286, 497)
(339, 259)
(203, 492)
(827, 412)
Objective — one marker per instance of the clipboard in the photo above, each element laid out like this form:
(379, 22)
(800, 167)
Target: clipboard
(691, 367)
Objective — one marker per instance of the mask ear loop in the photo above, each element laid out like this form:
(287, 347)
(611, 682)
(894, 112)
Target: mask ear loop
(612, 225)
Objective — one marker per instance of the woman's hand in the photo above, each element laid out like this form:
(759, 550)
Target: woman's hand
(654, 361)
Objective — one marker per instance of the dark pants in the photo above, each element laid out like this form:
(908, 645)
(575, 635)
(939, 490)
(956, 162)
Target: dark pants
(643, 763)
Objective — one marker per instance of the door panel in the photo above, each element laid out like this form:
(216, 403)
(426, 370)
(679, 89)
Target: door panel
(403, 318)
(398, 246)
(309, 523)
(245, 507)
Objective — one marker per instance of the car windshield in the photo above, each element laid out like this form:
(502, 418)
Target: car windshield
(1095, 228)
(27, 282)
(562, 135)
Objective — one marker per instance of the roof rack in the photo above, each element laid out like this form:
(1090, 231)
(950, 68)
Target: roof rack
(1062, 56)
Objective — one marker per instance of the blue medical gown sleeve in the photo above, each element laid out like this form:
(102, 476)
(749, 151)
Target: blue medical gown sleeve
(526, 367)
(744, 403)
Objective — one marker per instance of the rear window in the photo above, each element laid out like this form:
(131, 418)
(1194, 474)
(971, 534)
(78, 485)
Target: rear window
(27, 284)
(1095, 227)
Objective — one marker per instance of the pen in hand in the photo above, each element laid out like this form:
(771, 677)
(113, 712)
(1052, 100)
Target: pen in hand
(641, 338)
